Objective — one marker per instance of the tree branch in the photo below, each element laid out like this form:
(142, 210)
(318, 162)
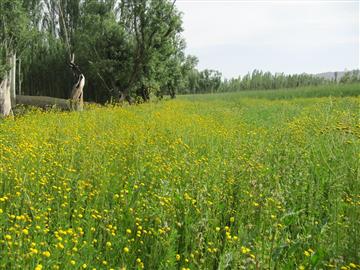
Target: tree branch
(65, 29)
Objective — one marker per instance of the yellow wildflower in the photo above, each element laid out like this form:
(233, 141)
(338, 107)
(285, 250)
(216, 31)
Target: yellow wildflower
(46, 253)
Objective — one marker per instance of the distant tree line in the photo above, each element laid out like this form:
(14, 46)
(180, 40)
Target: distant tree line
(266, 80)
(205, 81)
(351, 77)
(210, 81)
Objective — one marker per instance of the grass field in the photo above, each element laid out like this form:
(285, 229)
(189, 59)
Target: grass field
(334, 90)
(207, 182)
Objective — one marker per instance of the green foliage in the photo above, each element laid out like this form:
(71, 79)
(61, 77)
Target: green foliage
(206, 81)
(351, 77)
(13, 32)
(155, 27)
(266, 80)
(103, 50)
(210, 81)
(13, 24)
(126, 49)
(44, 68)
(3, 64)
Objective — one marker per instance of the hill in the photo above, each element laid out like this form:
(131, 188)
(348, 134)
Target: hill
(331, 75)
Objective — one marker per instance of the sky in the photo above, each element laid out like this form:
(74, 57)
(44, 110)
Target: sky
(238, 36)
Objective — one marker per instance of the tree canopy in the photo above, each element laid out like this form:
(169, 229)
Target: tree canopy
(127, 49)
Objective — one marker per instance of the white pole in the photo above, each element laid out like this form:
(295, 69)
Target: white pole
(13, 80)
(19, 69)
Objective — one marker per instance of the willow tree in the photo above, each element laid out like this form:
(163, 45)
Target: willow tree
(128, 46)
(154, 27)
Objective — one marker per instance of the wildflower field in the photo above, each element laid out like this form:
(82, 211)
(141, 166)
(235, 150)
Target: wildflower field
(195, 183)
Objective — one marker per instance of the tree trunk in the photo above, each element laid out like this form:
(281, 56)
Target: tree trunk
(143, 92)
(124, 95)
(77, 95)
(172, 92)
(43, 102)
(5, 99)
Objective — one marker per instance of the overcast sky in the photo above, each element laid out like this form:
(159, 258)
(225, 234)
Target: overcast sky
(291, 36)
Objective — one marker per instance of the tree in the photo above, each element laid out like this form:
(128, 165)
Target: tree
(13, 32)
(104, 51)
(154, 27)
(12, 40)
(351, 77)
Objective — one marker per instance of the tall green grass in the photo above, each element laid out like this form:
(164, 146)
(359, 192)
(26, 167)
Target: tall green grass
(335, 90)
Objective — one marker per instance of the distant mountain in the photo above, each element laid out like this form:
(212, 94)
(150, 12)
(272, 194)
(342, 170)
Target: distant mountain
(331, 75)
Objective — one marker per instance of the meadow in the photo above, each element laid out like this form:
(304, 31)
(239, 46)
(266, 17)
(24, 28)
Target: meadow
(245, 180)
(326, 90)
